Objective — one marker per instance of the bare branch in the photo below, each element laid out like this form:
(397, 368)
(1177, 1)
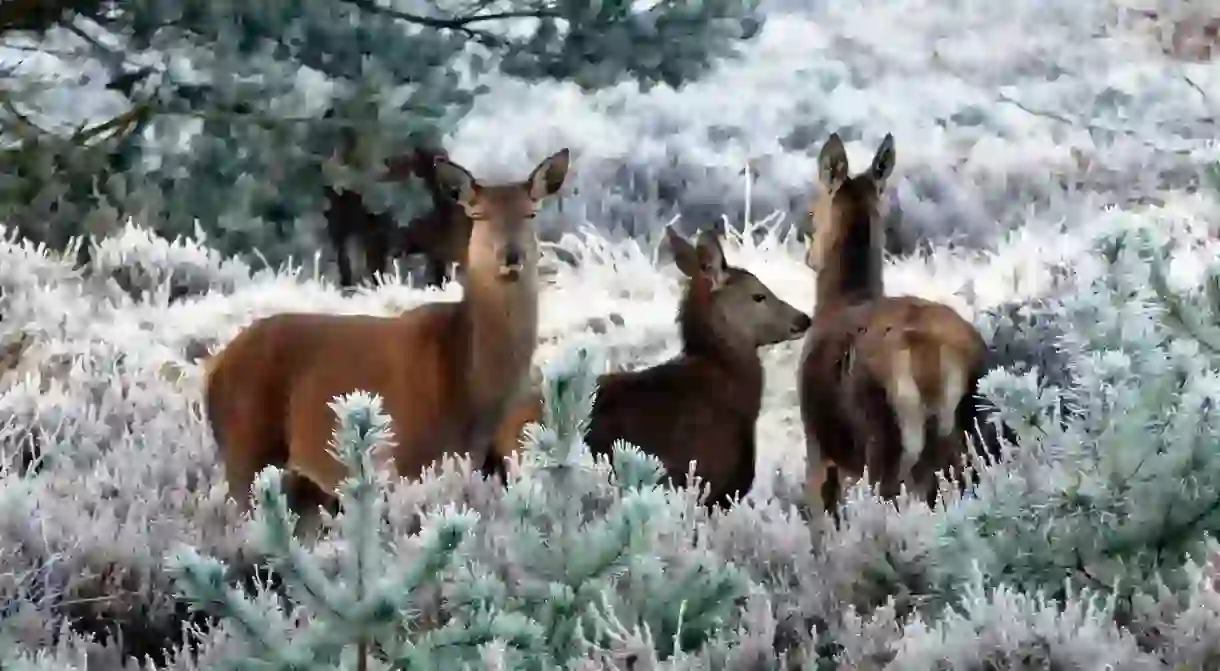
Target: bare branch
(462, 24)
(451, 23)
(1203, 94)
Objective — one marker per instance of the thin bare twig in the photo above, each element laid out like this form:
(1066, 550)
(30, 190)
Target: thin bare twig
(1202, 94)
(1085, 124)
(462, 24)
(451, 23)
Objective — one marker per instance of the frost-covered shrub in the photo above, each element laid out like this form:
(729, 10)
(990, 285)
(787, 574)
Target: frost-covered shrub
(143, 264)
(24, 264)
(1184, 624)
(1007, 629)
(103, 460)
(1115, 499)
(598, 553)
(363, 605)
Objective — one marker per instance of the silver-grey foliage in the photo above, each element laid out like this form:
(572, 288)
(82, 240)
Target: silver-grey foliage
(238, 76)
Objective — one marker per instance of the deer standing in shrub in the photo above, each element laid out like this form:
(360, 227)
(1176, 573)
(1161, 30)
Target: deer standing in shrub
(884, 382)
(447, 372)
(440, 236)
(703, 404)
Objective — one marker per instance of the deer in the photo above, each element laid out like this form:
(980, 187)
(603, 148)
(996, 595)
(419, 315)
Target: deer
(440, 235)
(887, 383)
(703, 404)
(446, 371)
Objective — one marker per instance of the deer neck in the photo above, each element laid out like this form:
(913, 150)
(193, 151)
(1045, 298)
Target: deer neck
(705, 336)
(502, 325)
(851, 272)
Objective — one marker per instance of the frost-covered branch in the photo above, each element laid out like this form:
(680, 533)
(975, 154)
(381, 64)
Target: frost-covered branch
(367, 603)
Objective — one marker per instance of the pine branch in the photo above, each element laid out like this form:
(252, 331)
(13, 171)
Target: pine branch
(1176, 312)
(362, 607)
(41, 15)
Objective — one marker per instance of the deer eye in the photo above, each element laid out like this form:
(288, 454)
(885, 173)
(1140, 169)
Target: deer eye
(758, 298)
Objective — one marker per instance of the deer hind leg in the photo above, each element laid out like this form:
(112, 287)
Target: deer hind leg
(436, 272)
(343, 262)
(376, 253)
(909, 414)
(352, 248)
(817, 474)
(875, 437)
(823, 489)
(950, 431)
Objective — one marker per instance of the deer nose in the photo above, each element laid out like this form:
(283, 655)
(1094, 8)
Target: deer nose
(801, 324)
(512, 257)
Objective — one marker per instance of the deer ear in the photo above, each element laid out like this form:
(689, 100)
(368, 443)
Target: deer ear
(832, 163)
(883, 162)
(684, 252)
(547, 178)
(711, 258)
(455, 177)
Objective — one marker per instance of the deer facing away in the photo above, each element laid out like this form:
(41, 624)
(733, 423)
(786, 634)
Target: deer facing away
(884, 382)
(703, 404)
(446, 371)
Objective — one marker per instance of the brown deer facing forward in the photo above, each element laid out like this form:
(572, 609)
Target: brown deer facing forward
(884, 382)
(445, 371)
(703, 404)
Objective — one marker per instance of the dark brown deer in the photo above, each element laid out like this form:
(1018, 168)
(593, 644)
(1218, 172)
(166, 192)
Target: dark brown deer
(884, 382)
(703, 404)
(441, 235)
(447, 372)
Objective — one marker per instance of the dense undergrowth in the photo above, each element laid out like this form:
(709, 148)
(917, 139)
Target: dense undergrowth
(1091, 545)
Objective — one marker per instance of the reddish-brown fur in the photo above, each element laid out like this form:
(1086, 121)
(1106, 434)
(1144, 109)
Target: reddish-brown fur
(873, 364)
(446, 371)
(703, 404)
